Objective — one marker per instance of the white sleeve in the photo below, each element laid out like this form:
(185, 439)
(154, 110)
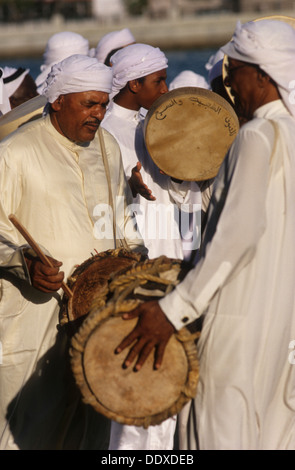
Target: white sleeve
(11, 252)
(240, 226)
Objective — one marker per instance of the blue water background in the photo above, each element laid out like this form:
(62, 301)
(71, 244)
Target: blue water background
(178, 60)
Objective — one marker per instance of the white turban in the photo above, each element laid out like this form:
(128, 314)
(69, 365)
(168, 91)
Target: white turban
(270, 44)
(59, 47)
(214, 65)
(75, 74)
(136, 61)
(12, 79)
(112, 41)
(188, 78)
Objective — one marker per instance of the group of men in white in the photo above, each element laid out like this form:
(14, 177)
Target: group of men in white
(230, 271)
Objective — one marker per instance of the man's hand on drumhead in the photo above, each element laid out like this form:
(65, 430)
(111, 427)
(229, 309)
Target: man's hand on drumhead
(137, 185)
(45, 278)
(153, 330)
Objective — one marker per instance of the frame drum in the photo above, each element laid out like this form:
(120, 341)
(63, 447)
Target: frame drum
(149, 396)
(188, 132)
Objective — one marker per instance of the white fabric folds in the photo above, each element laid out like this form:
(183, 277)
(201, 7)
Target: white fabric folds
(76, 74)
(136, 61)
(271, 45)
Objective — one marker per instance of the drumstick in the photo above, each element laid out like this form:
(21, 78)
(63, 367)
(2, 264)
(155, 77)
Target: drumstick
(36, 248)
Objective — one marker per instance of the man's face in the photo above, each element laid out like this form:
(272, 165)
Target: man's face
(77, 116)
(242, 78)
(152, 86)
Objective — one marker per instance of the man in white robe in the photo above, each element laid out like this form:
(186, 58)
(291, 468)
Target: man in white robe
(139, 78)
(244, 284)
(53, 179)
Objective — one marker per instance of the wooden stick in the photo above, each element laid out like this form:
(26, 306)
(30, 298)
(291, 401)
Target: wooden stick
(36, 248)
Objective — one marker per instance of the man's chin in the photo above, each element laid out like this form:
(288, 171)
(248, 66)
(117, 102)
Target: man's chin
(89, 133)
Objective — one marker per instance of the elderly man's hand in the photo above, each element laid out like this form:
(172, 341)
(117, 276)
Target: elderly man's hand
(45, 278)
(153, 330)
(138, 186)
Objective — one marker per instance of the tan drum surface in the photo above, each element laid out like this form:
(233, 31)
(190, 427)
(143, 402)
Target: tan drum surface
(149, 396)
(90, 280)
(188, 132)
(142, 393)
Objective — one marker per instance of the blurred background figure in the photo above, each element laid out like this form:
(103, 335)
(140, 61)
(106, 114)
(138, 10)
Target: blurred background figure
(215, 78)
(111, 43)
(59, 47)
(110, 10)
(18, 87)
(188, 78)
(216, 81)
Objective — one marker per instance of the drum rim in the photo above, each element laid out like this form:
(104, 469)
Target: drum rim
(187, 90)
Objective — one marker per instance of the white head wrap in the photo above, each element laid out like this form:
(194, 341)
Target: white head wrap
(270, 44)
(75, 74)
(11, 80)
(188, 78)
(136, 61)
(214, 65)
(59, 47)
(112, 41)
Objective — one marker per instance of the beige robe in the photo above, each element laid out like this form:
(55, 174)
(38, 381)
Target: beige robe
(244, 287)
(55, 188)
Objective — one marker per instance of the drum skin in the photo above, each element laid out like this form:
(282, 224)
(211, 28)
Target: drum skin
(188, 132)
(149, 396)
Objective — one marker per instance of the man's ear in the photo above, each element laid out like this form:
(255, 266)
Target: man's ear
(57, 104)
(134, 85)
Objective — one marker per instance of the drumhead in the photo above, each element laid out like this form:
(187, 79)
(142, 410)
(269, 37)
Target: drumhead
(188, 132)
(149, 396)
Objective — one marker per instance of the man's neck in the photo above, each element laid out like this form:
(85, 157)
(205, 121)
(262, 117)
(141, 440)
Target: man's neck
(126, 101)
